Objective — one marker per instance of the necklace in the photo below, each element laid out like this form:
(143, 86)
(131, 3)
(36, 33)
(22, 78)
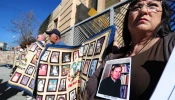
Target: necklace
(142, 47)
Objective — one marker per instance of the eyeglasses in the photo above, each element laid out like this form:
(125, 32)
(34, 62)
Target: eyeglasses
(152, 7)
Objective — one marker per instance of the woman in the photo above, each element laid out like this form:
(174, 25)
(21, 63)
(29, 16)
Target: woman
(148, 41)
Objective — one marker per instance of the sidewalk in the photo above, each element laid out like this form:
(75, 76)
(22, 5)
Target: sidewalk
(7, 93)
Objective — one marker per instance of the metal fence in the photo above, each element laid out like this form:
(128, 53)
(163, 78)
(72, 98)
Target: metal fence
(113, 15)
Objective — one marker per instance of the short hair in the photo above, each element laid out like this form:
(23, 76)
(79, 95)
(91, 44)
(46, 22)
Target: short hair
(161, 30)
(116, 66)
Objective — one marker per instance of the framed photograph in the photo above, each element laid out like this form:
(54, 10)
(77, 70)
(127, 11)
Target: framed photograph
(50, 97)
(118, 71)
(81, 51)
(23, 56)
(86, 66)
(82, 87)
(38, 52)
(43, 70)
(72, 95)
(93, 67)
(85, 48)
(45, 56)
(16, 77)
(91, 48)
(30, 70)
(34, 60)
(41, 84)
(32, 84)
(99, 45)
(54, 70)
(61, 97)
(76, 67)
(25, 80)
(33, 47)
(76, 55)
(54, 57)
(62, 86)
(52, 85)
(66, 57)
(39, 97)
(82, 62)
(65, 70)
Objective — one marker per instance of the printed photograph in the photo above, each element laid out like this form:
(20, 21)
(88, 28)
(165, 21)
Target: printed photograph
(25, 80)
(115, 71)
(42, 70)
(76, 55)
(99, 45)
(72, 95)
(66, 57)
(34, 60)
(16, 77)
(82, 87)
(33, 47)
(32, 84)
(86, 66)
(54, 57)
(38, 53)
(50, 97)
(52, 85)
(76, 68)
(81, 51)
(23, 56)
(62, 86)
(91, 48)
(85, 49)
(65, 70)
(39, 97)
(61, 97)
(30, 70)
(41, 83)
(54, 70)
(45, 56)
(93, 67)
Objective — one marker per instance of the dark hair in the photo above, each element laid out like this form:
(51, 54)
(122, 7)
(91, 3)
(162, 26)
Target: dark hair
(116, 66)
(161, 30)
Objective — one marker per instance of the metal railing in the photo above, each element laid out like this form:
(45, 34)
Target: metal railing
(112, 15)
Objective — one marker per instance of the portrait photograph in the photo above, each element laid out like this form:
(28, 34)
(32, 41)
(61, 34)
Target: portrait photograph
(23, 56)
(38, 52)
(54, 70)
(81, 51)
(39, 97)
(66, 57)
(91, 49)
(32, 84)
(30, 70)
(113, 74)
(61, 97)
(25, 80)
(86, 66)
(62, 86)
(16, 77)
(85, 49)
(82, 87)
(54, 57)
(45, 56)
(33, 47)
(99, 45)
(93, 67)
(50, 97)
(76, 55)
(43, 70)
(41, 83)
(52, 85)
(82, 64)
(34, 60)
(65, 69)
(72, 95)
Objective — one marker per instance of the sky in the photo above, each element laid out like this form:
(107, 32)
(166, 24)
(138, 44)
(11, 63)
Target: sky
(12, 8)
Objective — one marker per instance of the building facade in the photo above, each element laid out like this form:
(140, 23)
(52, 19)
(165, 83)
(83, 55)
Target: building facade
(3, 46)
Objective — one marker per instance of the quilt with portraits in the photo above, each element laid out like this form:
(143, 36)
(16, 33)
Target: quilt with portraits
(61, 72)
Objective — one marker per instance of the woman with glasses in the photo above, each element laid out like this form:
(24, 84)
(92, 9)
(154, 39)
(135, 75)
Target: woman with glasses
(148, 40)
